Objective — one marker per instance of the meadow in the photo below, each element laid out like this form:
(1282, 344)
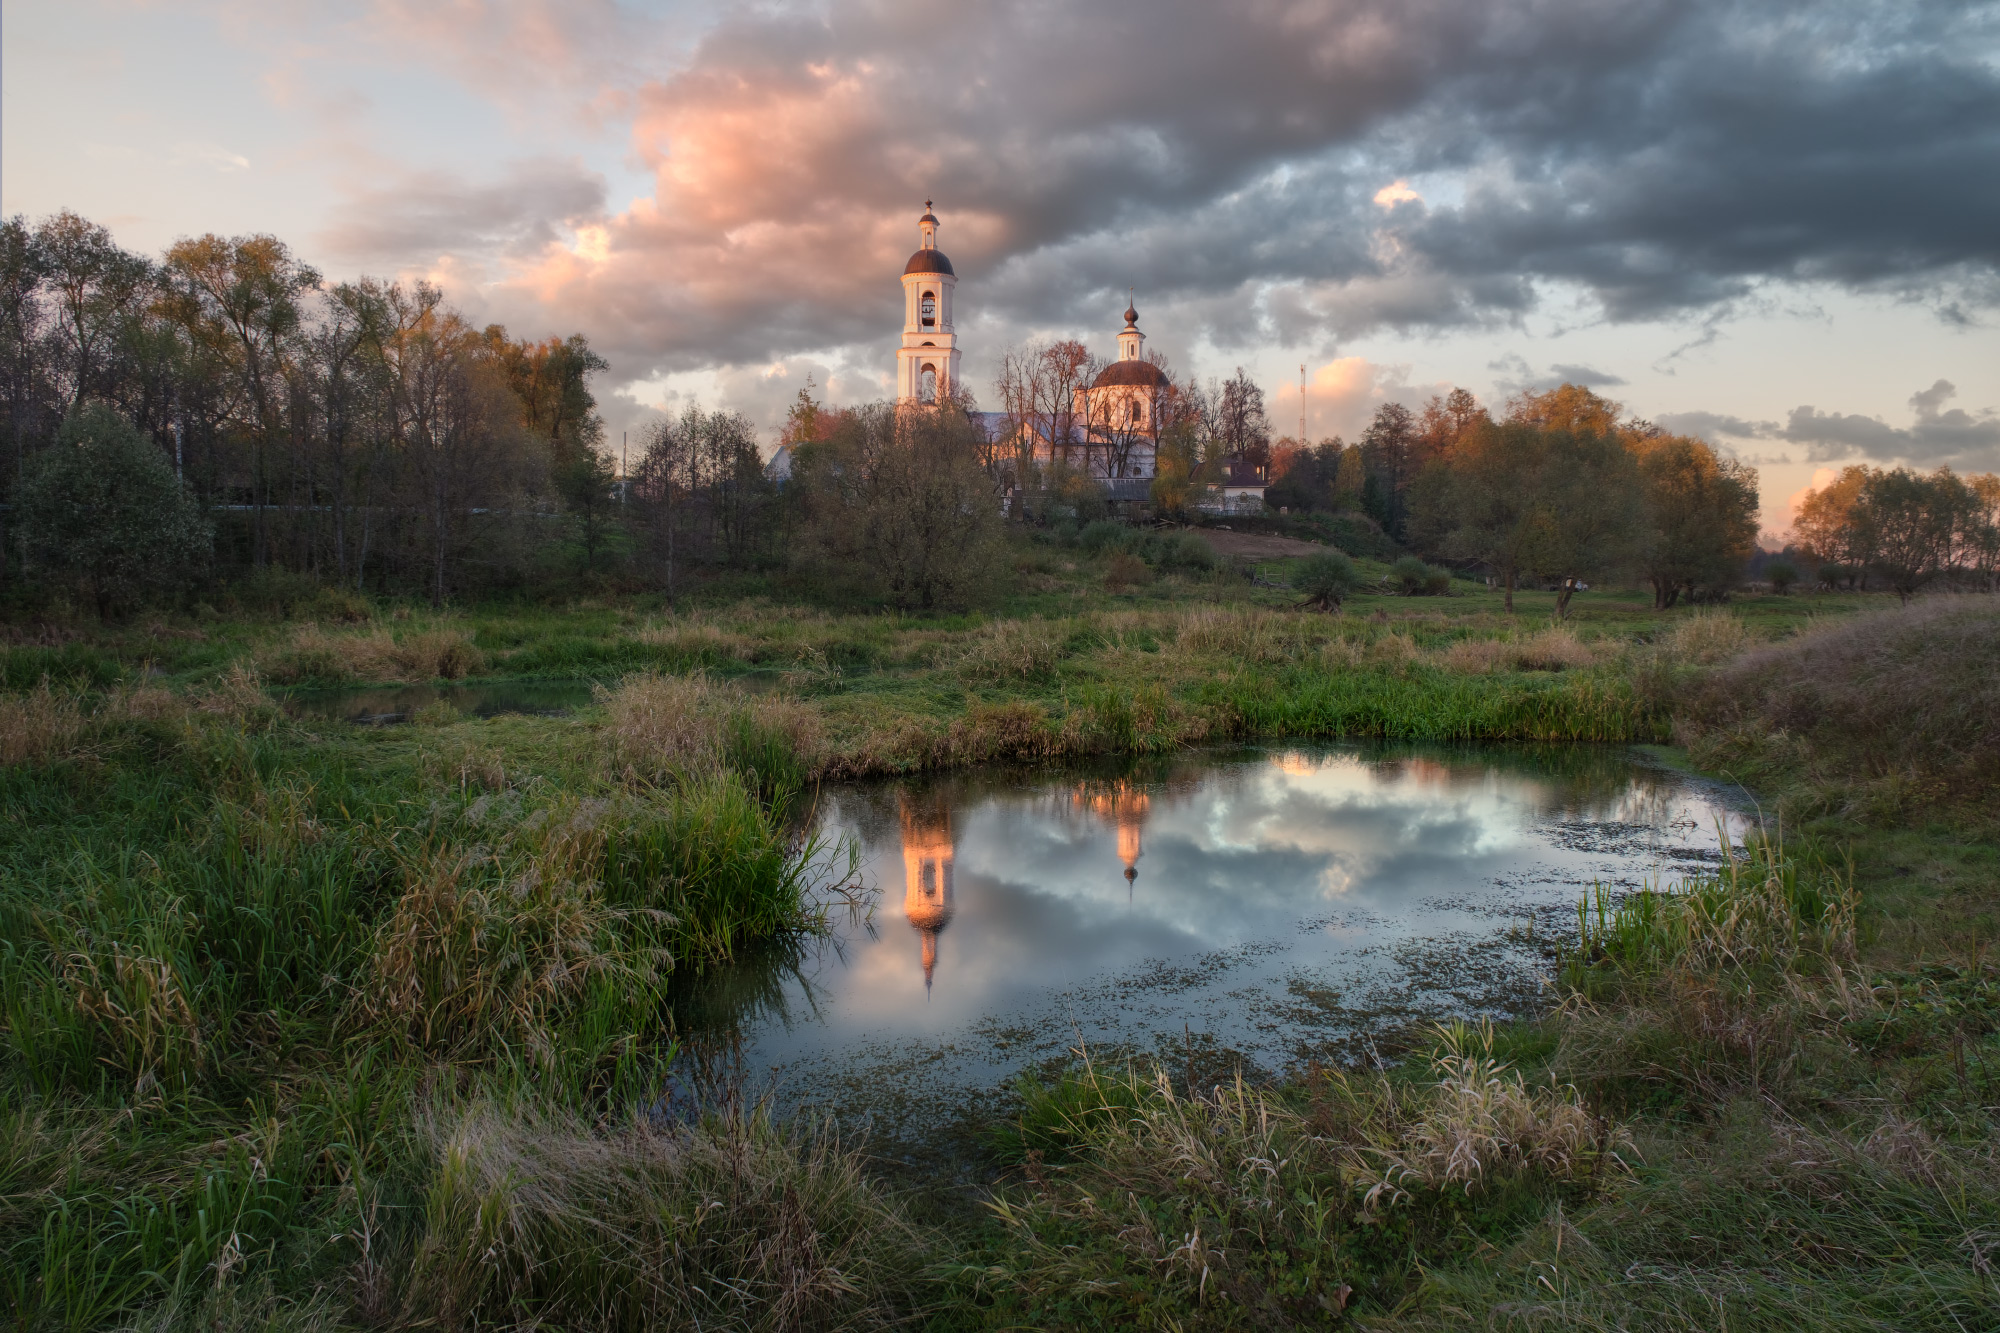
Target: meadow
(309, 1025)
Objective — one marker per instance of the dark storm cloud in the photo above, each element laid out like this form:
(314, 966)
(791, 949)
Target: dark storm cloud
(1664, 157)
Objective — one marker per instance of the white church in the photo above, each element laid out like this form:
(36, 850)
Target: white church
(1113, 435)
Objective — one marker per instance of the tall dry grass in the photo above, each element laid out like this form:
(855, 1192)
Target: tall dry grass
(733, 1222)
(1148, 1204)
(1877, 716)
(46, 724)
(1556, 648)
(491, 948)
(41, 725)
(1705, 637)
(689, 726)
(1480, 1122)
(315, 656)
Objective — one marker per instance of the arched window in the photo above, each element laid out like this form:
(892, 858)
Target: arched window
(927, 384)
(930, 310)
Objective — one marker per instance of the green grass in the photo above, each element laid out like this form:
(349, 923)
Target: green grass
(309, 1025)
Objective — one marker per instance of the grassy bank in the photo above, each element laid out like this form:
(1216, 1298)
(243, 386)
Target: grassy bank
(308, 1024)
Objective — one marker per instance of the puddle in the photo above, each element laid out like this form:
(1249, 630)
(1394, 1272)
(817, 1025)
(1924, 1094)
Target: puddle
(1254, 908)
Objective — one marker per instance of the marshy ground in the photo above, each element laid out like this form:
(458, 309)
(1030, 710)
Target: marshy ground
(311, 1024)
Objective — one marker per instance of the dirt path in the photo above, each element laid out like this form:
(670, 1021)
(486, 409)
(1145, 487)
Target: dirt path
(1257, 545)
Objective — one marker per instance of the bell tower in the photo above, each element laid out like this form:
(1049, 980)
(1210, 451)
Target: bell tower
(927, 362)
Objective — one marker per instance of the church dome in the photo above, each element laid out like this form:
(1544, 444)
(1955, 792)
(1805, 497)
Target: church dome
(1130, 371)
(928, 261)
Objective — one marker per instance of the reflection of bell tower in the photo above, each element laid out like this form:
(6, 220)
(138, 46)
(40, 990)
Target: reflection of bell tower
(1124, 807)
(927, 858)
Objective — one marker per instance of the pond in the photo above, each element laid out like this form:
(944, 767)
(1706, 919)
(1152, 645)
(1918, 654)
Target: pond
(1256, 908)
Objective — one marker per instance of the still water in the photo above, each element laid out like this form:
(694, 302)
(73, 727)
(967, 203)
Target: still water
(1252, 908)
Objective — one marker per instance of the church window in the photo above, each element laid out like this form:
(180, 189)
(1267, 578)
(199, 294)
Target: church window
(929, 384)
(930, 309)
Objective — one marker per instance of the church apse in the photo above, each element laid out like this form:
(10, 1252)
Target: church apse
(927, 872)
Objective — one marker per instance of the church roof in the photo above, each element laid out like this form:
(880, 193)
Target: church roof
(1132, 371)
(928, 261)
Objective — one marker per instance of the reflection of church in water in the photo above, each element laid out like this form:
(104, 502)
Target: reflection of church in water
(928, 852)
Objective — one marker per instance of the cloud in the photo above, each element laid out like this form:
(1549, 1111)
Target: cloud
(1513, 374)
(211, 155)
(1939, 436)
(1247, 167)
(1714, 426)
(536, 207)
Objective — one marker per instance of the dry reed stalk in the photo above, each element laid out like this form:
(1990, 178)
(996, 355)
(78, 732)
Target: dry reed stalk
(378, 655)
(1707, 636)
(40, 726)
(1480, 1121)
(1554, 649)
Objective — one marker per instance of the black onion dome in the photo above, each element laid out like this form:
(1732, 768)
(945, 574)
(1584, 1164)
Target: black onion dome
(1131, 316)
(1133, 372)
(928, 261)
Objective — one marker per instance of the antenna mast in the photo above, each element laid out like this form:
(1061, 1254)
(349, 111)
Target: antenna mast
(1302, 405)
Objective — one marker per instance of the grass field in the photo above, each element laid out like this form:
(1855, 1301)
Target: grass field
(310, 1025)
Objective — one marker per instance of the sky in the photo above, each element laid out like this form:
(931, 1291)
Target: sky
(1775, 225)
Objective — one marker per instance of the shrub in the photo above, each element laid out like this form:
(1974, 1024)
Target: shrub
(104, 511)
(1409, 574)
(1782, 575)
(1326, 578)
(1125, 570)
(1104, 535)
(1831, 576)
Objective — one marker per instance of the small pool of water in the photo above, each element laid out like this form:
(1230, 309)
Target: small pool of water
(1254, 908)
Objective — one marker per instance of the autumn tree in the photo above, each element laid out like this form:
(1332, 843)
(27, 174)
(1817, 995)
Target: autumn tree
(241, 298)
(1833, 525)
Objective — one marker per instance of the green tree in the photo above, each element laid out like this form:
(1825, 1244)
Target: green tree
(1327, 578)
(899, 496)
(1916, 522)
(1700, 516)
(104, 511)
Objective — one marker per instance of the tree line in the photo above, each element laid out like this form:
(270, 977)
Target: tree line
(1561, 489)
(1904, 529)
(362, 433)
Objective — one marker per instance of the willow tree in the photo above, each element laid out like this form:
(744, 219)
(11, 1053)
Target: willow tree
(1700, 516)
